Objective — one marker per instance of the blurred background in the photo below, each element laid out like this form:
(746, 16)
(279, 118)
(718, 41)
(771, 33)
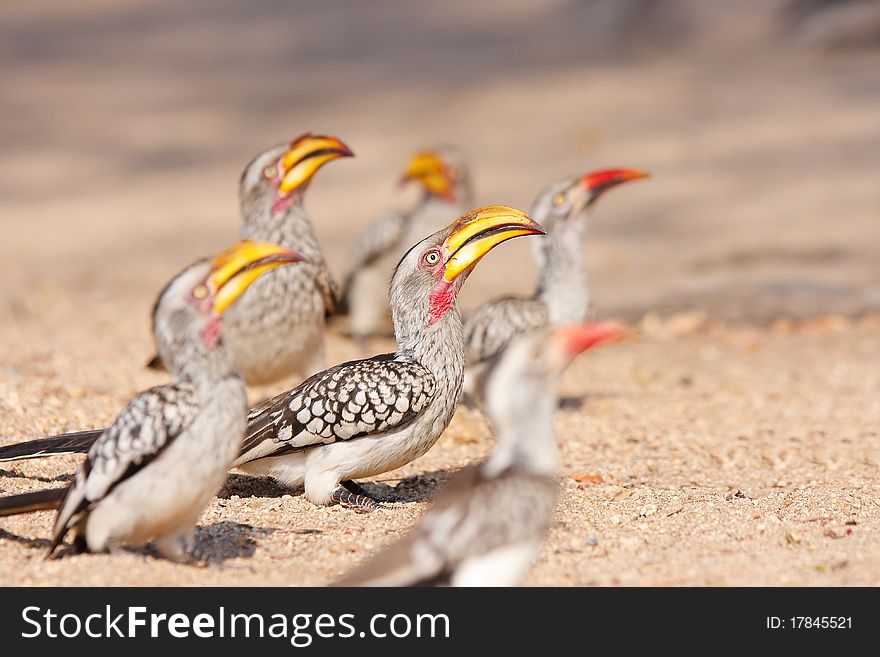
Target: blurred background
(124, 128)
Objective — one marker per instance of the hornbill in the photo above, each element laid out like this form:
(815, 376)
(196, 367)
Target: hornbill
(562, 295)
(443, 176)
(366, 417)
(152, 472)
(487, 524)
(277, 329)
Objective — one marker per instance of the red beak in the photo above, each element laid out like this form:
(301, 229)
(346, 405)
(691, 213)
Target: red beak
(600, 181)
(580, 337)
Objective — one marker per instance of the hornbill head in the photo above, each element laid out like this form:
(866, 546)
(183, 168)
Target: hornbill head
(519, 385)
(565, 202)
(279, 176)
(433, 271)
(442, 172)
(195, 300)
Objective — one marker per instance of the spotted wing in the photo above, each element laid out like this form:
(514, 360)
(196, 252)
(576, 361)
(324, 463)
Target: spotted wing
(146, 426)
(491, 327)
(351, 400)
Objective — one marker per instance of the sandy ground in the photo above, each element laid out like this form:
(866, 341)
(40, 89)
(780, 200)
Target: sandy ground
(720, 457)
(710, 453)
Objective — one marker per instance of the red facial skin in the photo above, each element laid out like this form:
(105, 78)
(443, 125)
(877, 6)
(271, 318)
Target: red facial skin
(281, 203)
(441, 299)
(211, 332)
(443, 293)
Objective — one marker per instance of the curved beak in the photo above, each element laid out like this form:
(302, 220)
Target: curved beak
(577, 338)
(598, 182)
(306, 155)
(236, 268)
(479, 231)
(431, 172)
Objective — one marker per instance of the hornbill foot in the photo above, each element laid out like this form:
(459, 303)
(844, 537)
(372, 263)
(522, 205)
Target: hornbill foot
(354, 487)
(346, 498)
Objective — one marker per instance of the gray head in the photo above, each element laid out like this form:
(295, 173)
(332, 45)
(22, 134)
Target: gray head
(425, 284)
(562, 207)
(188, 314)
(519, 390)
(277, 178)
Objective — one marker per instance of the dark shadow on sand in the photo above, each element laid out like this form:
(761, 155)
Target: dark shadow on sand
(14, 474)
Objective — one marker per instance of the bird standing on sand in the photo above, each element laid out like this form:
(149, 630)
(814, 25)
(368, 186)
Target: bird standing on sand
(370, 416)
(563, 295)
(443, 176)
(366, 417)
(277, 329)
(487, 525)
(153, 471)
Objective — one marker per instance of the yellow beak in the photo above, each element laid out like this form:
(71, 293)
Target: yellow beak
(236, 268)
(428, 169)
(307, 154)
(479, 231)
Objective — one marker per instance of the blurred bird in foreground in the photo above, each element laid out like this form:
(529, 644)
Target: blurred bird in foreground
(152, 472)
(443, 176)
(563, 294)
(277, 329)
(487, 525)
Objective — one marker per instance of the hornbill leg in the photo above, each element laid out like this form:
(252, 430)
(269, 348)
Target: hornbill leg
(353, 500)
(357, 489)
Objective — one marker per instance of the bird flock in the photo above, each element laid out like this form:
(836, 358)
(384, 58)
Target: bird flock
(258, 312)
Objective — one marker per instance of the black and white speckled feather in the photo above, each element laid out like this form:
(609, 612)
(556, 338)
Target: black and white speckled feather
(347, 401)
(366, 417)
(492, 326)
(145, 427)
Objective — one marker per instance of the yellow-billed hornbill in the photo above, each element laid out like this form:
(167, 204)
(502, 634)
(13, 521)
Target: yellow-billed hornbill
(151, 473)
(277, 329)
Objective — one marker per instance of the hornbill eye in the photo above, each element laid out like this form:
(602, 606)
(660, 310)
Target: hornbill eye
(270, 172)
(559, 200)
(200, 291)
(431, 258)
